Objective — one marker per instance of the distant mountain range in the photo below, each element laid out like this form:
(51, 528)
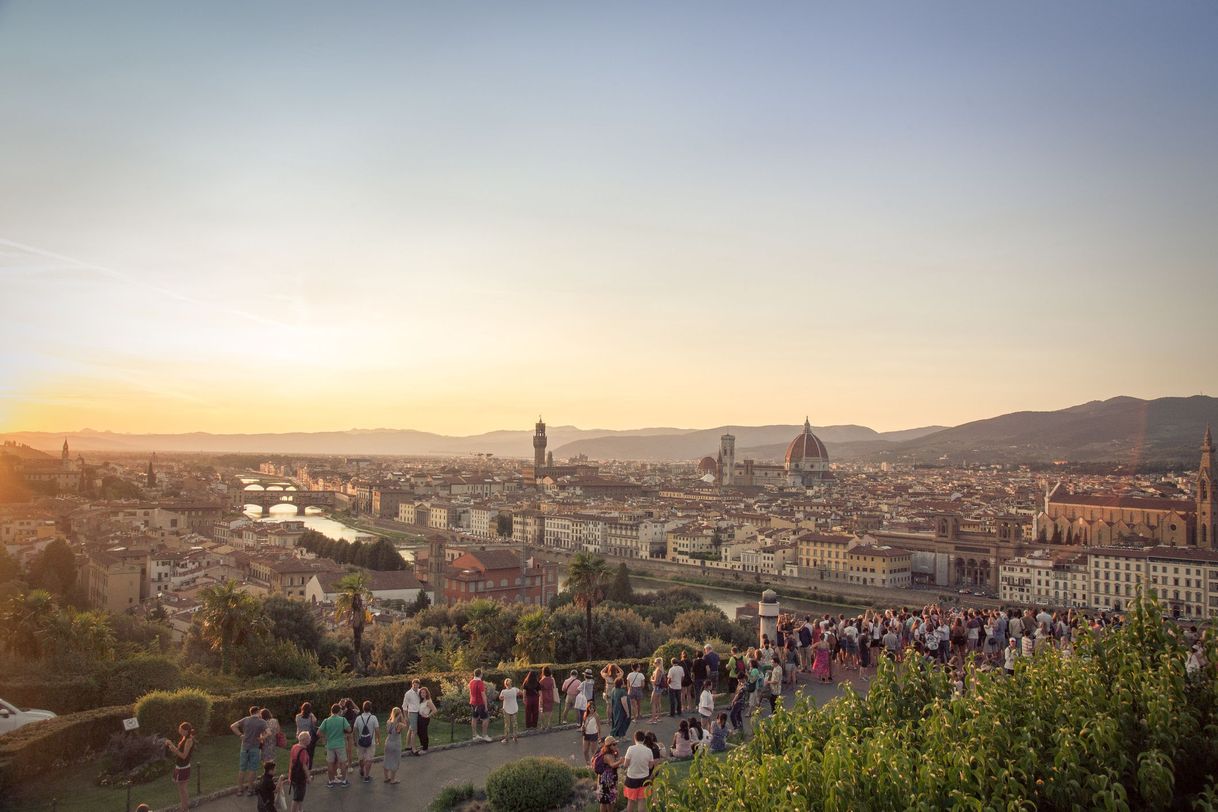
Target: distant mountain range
(1121, 429)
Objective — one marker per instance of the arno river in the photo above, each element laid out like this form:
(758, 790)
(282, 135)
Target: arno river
(726, 599)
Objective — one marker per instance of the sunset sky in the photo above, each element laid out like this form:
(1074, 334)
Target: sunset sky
(232, 216)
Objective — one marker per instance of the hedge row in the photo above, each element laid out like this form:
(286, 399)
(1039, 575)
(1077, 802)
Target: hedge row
(117, 683)
(37, 748)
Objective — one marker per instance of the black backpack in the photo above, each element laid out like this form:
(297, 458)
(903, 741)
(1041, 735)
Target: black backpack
(365, 738)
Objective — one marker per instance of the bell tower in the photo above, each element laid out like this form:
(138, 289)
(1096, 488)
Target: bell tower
(727, 460)
(437, 565)
(1206, 518)
(539, 448)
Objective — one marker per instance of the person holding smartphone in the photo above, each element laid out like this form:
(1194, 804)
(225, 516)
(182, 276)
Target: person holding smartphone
(181, 753)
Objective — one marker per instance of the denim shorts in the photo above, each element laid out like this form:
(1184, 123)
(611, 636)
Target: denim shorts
(251, 759)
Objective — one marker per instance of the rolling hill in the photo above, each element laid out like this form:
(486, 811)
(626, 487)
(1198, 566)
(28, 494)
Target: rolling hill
(1121, 429)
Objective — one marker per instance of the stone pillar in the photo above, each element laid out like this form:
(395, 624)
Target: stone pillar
(767, 616)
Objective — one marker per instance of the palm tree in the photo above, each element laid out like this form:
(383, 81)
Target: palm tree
(82, 634)
(351, 607)
(534, 638)
(24, 620)
(587, 576)
(228, 618)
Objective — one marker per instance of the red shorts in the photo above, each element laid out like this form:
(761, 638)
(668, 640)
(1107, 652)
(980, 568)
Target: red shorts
(637, 793)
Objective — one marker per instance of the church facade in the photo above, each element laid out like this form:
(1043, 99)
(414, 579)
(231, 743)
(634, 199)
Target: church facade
(1102, 520)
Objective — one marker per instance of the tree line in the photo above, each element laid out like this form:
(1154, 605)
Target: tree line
(378, 555)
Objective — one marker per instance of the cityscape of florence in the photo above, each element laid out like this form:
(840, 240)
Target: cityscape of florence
(475, 407)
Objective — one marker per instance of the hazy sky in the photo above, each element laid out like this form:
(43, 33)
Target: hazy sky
(451, 216)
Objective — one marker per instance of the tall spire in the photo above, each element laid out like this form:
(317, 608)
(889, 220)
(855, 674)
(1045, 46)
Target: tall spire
(1207, 444)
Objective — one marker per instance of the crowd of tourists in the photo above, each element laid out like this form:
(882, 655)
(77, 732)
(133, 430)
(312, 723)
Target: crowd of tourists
(605, 705)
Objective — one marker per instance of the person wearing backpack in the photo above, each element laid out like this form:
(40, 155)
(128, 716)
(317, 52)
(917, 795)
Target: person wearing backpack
(571, 688)
(367, 737)
(299, 769)
(605, 765)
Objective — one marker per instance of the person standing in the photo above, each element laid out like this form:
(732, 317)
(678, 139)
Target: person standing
(635, 681)
(182, 753)
(549, 697)
(706, 705)
(531, 689)
(736, 711)
(306, 722)
(657, 689)
(733, 671)
(610, 675)
(589, 686)
(270, 739)
(590, 732)
(675, 674)
(350, 712)
(698, 675)
(687, 680)
(479, 712)
(333, 733)
(300, 764)
(638, 760)
(250, 730)
(606, 765)
(712, 666)
(427, 709)
(393, 746)
(509, 701)
(266, 787)
(410, 707)
(582, 707)
(619, 701)
(775, 681)
(571, 688)
(367, 737)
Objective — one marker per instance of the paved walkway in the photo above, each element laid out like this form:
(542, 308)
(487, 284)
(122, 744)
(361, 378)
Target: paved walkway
(422, 778)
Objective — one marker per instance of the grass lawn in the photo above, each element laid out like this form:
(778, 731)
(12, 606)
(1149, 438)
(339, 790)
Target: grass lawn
(74, 788)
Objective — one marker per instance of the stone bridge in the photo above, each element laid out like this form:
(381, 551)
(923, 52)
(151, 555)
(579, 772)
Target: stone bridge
(299, 499)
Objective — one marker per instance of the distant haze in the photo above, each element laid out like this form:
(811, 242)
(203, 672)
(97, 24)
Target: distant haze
(277, 216)
(1123, 429)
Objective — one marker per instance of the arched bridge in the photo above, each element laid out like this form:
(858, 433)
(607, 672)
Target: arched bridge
(300, 499)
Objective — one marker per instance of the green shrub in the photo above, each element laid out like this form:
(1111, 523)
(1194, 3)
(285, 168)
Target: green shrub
(674, 647)
(67, 693)
(530, 785)
(128, 680)
(449, 797)
(1118, 725)
(160, 712)
(279, 658)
